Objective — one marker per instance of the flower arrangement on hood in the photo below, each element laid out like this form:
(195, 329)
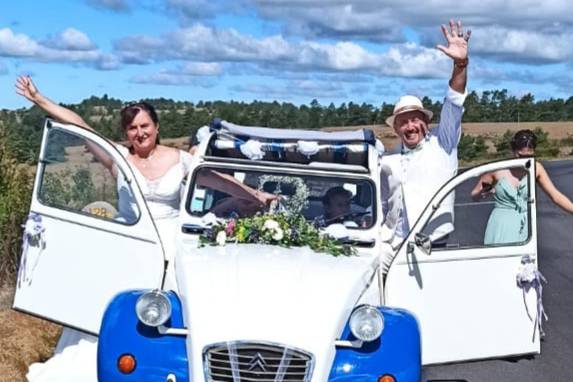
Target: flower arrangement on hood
(285, 230)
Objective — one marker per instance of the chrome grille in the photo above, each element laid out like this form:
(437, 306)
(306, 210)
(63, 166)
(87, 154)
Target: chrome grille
(256, 361)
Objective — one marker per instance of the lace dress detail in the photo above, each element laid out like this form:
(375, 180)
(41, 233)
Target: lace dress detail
(162, 195)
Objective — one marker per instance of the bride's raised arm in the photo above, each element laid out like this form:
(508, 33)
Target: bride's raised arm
(26, 88)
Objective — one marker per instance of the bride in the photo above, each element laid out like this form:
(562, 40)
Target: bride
(159, 171)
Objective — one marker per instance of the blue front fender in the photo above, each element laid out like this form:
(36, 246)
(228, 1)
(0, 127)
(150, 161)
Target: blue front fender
(156, 355)
(397, 352)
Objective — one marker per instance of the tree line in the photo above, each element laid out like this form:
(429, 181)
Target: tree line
(23, 127)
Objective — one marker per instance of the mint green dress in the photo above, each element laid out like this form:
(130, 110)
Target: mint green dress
(508, 220)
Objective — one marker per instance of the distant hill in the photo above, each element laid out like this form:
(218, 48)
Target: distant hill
(23, 127)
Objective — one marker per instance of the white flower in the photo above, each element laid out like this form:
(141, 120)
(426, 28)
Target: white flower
(271, 225)
(209, 219)
(221, 238)
(278, 234)
(337, 231)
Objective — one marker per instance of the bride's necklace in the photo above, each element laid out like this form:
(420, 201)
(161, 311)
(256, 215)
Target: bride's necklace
(145, 162)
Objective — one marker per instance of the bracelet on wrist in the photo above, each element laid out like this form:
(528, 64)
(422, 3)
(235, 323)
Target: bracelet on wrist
(461, 63)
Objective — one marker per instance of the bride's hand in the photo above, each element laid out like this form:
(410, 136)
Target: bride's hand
(26, 88)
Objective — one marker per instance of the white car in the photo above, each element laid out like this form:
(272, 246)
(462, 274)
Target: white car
(262, 312)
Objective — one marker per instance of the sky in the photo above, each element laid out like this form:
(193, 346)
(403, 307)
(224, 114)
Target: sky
(286, 50)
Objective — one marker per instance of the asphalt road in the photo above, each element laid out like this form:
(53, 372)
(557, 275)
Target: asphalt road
(555, 249)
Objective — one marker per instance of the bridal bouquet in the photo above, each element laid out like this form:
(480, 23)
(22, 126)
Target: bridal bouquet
(286, 230)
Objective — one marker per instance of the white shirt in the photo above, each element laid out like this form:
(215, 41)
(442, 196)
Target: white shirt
(411, 177)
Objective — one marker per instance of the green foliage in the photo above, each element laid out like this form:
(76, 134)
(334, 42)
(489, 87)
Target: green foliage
(177, 118)
(471, 147)
(68, 189)
(503, 144)
(545, 146)
(285, 230)
(15, 190)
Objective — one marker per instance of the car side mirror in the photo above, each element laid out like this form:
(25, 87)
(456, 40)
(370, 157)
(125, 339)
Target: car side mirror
(421, 241)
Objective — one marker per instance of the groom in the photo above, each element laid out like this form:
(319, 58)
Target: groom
(425, 159)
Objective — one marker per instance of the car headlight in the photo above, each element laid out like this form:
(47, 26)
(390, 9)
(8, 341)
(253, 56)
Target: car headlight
(153, 308)
(366, 323)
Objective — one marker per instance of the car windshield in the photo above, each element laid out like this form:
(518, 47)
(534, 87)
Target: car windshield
(323, 200)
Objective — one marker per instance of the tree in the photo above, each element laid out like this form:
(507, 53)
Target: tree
(471, 147)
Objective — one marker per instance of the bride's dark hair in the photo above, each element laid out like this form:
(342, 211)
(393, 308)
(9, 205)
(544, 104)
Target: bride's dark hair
(522, 139)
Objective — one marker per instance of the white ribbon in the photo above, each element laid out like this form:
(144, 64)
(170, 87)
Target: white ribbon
(528, 277)
(252, 149)
(308, 148)
(202, 133)
(380, 147)
(33, 237)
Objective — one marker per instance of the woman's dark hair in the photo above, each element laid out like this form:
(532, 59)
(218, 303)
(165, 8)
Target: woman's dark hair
(129, 112)
(523, 139)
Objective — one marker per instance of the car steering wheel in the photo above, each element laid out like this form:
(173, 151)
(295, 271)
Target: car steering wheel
(350, 214)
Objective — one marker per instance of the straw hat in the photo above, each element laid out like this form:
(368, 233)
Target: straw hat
(405, 104)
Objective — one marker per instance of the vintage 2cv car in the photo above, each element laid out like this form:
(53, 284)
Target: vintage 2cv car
(260, 312)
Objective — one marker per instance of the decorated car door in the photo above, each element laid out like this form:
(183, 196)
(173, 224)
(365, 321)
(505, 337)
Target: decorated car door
(475, 291)
(89, 234)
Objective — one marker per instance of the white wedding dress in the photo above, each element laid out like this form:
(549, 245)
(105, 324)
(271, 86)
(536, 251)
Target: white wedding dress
(75, 356)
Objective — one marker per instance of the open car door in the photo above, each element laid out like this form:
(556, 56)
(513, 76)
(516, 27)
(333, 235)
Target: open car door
(89, 235)
(465, 293)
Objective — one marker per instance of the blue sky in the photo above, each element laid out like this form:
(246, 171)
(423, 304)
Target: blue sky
(285, 50)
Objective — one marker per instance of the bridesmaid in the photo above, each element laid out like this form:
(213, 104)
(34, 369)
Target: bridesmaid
(508, 221)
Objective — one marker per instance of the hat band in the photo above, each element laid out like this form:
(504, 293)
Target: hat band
(407, 108)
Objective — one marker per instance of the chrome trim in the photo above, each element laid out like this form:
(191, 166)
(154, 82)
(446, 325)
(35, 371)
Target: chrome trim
(162, 329)
(355, 344)
(258, 360)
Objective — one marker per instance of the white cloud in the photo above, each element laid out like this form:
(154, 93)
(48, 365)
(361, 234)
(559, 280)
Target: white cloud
(525, 29)
(521, 45)
(70, 47)
(275, 53)
(71, 39)
(411, 60)
(112, 5)
(202, 69)
(171, 78)
(193, 9)
(16, 45)
(292, 89)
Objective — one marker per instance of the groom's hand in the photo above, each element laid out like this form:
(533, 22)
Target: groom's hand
(457, 41)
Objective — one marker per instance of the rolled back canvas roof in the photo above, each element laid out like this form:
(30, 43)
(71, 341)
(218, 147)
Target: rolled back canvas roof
(266, 133)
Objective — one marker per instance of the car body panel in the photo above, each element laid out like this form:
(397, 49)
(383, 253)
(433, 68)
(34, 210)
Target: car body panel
(157, 356)
(450, 305)
(85, 258)
(483, 313)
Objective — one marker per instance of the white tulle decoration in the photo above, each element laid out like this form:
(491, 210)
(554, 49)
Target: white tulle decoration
(252, 149)
(308, 148)
(202, 133)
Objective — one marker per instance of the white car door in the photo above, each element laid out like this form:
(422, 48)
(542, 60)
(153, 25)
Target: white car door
(89, 235)
(464, 292)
